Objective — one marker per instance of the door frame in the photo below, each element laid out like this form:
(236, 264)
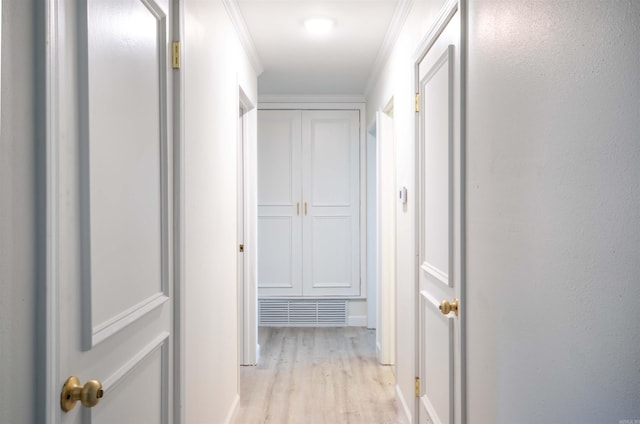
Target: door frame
(444, 16)
(48, 334)
(179, 400)
(320, 102)
(331, 102)
(372, 226)
(51, 324)
(247, 289)
(385, 295)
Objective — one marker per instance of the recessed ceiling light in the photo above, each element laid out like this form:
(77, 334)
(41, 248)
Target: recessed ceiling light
(318, 25)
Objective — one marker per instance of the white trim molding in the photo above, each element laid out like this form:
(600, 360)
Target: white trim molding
(447, 11)
(52, 278)
(310, 98)
(397, 22)
(104, 330)
(160, 342)
(177, 116)
(233, 10)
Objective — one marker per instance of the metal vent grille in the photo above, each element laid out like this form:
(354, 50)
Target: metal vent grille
(302, 313)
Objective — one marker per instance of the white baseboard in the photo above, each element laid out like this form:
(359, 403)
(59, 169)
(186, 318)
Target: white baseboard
(231, 416)
(404, 408)
(357, 320)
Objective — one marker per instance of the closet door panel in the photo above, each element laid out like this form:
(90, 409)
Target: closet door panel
(276, 235)
(330, 157)
(331, 165)
(278, 158)
(330, 254)
(279, 203)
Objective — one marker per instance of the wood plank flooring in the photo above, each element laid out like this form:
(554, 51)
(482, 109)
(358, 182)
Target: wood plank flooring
(317, 376)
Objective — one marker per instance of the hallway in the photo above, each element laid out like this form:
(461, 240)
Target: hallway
(120, 167)
(317, 375)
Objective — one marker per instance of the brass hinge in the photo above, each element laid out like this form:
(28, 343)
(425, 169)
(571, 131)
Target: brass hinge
(417, 386)
(241, 248)
(417, 102)
(175, 54)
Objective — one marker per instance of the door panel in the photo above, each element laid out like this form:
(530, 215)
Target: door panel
(279, 203)
(440, 203)
(277, 237)
(438, 123)
(330, 149)
(115, 247)
(331, 190)
(437, 359)
(125, 167)
(144, 374)
(331, 251)
(279, 158)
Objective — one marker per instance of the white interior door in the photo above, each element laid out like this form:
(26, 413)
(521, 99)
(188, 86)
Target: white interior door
(440, 230)
(387, 198)
(280, 204)
(114, 249)
(331, 195)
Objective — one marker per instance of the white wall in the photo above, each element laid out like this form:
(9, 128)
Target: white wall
(18, 217)
(553, 191)
(554, 211)
(397, 81)
(213, 63)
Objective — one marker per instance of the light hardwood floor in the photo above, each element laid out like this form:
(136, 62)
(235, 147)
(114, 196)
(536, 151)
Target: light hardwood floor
(317, 375)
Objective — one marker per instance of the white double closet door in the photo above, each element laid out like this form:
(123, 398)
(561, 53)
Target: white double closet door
(308, 203)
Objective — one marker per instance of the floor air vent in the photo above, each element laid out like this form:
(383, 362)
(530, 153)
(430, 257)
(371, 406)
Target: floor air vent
(302, 313)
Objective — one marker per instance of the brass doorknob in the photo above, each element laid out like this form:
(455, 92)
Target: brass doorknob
(446, 307)
(72, 392)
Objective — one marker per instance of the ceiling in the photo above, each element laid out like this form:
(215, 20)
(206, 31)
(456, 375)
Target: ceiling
(296, 62)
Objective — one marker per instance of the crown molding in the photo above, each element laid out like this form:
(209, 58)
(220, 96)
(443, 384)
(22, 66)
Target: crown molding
(233, 10)
(397, 22)
(310, 98)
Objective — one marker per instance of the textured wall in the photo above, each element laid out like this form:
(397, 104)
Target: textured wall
(553, 190)
(397, 81)
(214, 64)
(554, 211)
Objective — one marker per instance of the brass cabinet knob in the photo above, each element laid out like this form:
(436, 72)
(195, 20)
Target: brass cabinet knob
(72, 392)
(446, 307)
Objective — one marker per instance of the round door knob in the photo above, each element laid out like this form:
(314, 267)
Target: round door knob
(446, 307)
(72, 392)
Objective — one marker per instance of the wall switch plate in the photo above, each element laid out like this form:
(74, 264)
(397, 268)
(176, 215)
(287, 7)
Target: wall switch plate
(403, 195)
